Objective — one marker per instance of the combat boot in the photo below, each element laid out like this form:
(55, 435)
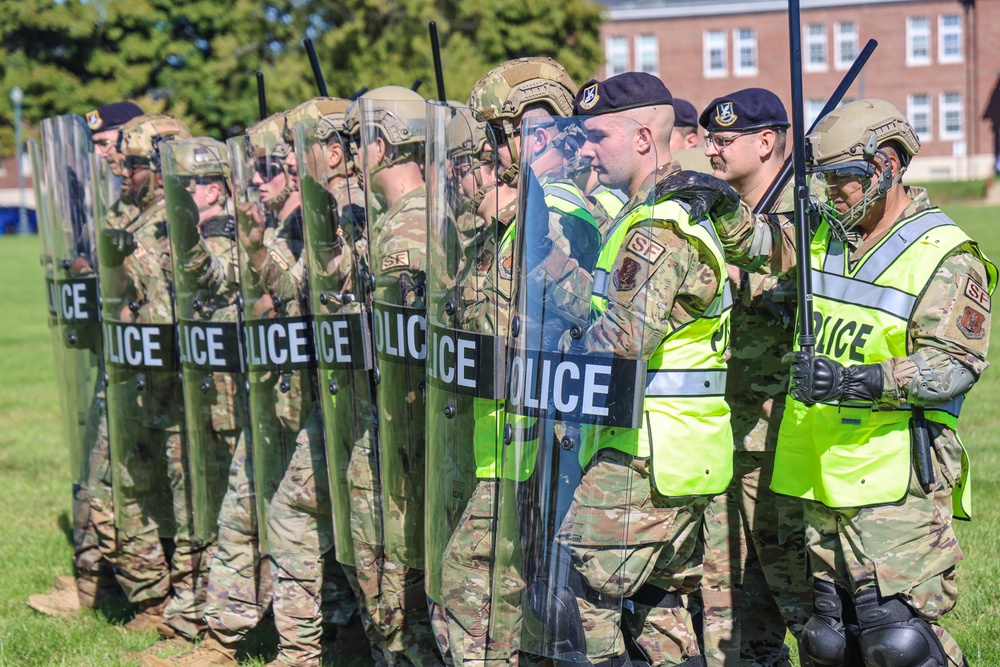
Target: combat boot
(150, 615)
(93, 591)
(62, 602)
(211, 653)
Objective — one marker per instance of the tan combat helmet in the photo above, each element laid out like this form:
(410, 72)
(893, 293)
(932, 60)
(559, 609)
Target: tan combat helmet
(200, 158)
(511, 87)
(139, 144)
(846, 142)
(398, 115)
(466, 136)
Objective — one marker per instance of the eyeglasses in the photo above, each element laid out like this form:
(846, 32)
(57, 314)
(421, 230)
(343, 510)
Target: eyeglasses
(104, 143)
(268, 168)
(722, 142)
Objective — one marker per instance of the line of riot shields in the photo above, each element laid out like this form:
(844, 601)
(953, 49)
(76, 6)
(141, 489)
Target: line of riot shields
(356, 308)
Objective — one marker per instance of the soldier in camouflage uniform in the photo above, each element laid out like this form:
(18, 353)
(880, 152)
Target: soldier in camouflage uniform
(309, 586)
(138, 283)
(93, 513)
(389, 126)
(238, 590)
(879, 529)
(755, 562)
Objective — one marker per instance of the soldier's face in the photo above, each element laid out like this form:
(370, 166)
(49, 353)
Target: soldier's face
(610, 147)
(270, 178)
(205, 195)
(106, 146)
(135, 175)
(736, 156)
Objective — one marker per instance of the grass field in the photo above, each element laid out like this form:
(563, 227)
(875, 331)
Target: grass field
(35, 537)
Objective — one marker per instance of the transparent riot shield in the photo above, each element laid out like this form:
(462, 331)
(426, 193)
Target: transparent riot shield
(144, 398)
(278, 334)
(574, 395)
(392, 148)
(74, 289)
(206, 292)
(465, 349)
(330, 198)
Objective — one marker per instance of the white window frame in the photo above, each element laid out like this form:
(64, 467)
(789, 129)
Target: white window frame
(839, 39)
(654, 54)
(912, 33)
(707, 45)
(820, 39)
(610, 45)
(927, 108)
(944, 108)
(943, 32)
(738, 44)
(812, 110)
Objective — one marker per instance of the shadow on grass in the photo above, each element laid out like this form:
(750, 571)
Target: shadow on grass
(66, 526)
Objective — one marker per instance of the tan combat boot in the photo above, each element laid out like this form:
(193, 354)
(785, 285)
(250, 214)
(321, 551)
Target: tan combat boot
(211, 653)
(150, 615)
(57, 603)
(93, 592)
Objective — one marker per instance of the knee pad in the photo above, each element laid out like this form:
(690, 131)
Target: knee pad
(825, 637)
(892, 635)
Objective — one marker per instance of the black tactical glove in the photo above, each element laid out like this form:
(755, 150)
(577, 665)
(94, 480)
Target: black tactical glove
(706, 195)
(117, 244)
(536, 221)
(816, 379)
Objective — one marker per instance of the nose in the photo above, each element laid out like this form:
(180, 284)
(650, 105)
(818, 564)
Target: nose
(257, 180)
(710, 149)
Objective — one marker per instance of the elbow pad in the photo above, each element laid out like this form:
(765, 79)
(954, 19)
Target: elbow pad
(932, 386)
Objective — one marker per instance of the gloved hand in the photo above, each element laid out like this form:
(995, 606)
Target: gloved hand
(817, 379)
(536, 222)
(705, 194)
(116, 245)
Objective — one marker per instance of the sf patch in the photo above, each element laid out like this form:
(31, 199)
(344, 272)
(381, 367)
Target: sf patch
(971, 323)
(397, 260)
(624, 276)
(975, 291)
(646, 248)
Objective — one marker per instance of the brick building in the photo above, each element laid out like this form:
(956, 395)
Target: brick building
(938, 61)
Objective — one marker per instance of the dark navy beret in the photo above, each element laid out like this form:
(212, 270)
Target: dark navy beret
(112, 116)
(743, 111)
(630, 90)
(685, 115)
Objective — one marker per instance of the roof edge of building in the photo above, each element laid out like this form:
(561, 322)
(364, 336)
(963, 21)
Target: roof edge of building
(728, 8)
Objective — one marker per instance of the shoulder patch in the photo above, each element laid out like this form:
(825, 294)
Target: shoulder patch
(624, 277)
(977, 293)
(397, 260)
(646, 248)
(971, 323)
(506, 267)
(277, 258)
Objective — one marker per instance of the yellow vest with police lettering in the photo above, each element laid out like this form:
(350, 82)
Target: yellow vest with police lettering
(854, 455)
(686, 430)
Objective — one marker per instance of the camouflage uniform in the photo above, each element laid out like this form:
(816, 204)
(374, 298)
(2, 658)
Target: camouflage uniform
(909, 549)
(661, 543)
(148, 273)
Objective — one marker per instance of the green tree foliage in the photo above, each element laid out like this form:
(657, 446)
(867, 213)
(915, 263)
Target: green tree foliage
(196, 58)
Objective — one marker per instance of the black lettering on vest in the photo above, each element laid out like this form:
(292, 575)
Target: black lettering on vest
(831, 340)
(859, 342)
(818, 330)
(841, 348)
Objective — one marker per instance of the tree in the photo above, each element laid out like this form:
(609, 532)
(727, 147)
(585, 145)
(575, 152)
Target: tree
(196, 58)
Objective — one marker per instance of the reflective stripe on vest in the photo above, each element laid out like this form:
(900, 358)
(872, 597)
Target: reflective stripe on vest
(855, 455)
(686, 377)
(613, 201)
(567, 199)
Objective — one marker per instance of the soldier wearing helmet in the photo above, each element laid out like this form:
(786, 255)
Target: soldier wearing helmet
(388, 125)
(902, 313)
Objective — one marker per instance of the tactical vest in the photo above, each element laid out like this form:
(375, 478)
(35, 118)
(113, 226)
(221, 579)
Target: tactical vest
(566, 198)
(686, 430)
(612, 201)
(854, 455)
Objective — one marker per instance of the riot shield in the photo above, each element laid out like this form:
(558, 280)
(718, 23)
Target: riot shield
(465, 351)
(330, 198)
(142, 373)
(392, 149)
(74, 290)
(574, 393)
(278, 335)
(206, 291)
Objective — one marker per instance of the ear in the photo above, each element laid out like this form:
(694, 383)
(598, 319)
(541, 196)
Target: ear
(213, 193)
(380, 150)
(643, 140)
(541, 139)
(765, 144)
(334, 155)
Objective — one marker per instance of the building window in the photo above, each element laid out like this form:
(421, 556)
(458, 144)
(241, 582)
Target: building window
(616, 54)
(745, 52)
(918, 41)
(918, 111)
(714, 45)
(647, 54)
(949, 38)
(816, 58)
(813, 107)
(845, 37)
(951, 114)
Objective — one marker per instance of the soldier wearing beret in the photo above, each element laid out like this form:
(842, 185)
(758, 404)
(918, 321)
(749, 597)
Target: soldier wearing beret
(665, 305)
(770, 591)
(684, 144)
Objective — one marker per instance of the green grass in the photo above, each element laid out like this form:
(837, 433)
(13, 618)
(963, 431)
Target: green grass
(954, 193)
(35, 542)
